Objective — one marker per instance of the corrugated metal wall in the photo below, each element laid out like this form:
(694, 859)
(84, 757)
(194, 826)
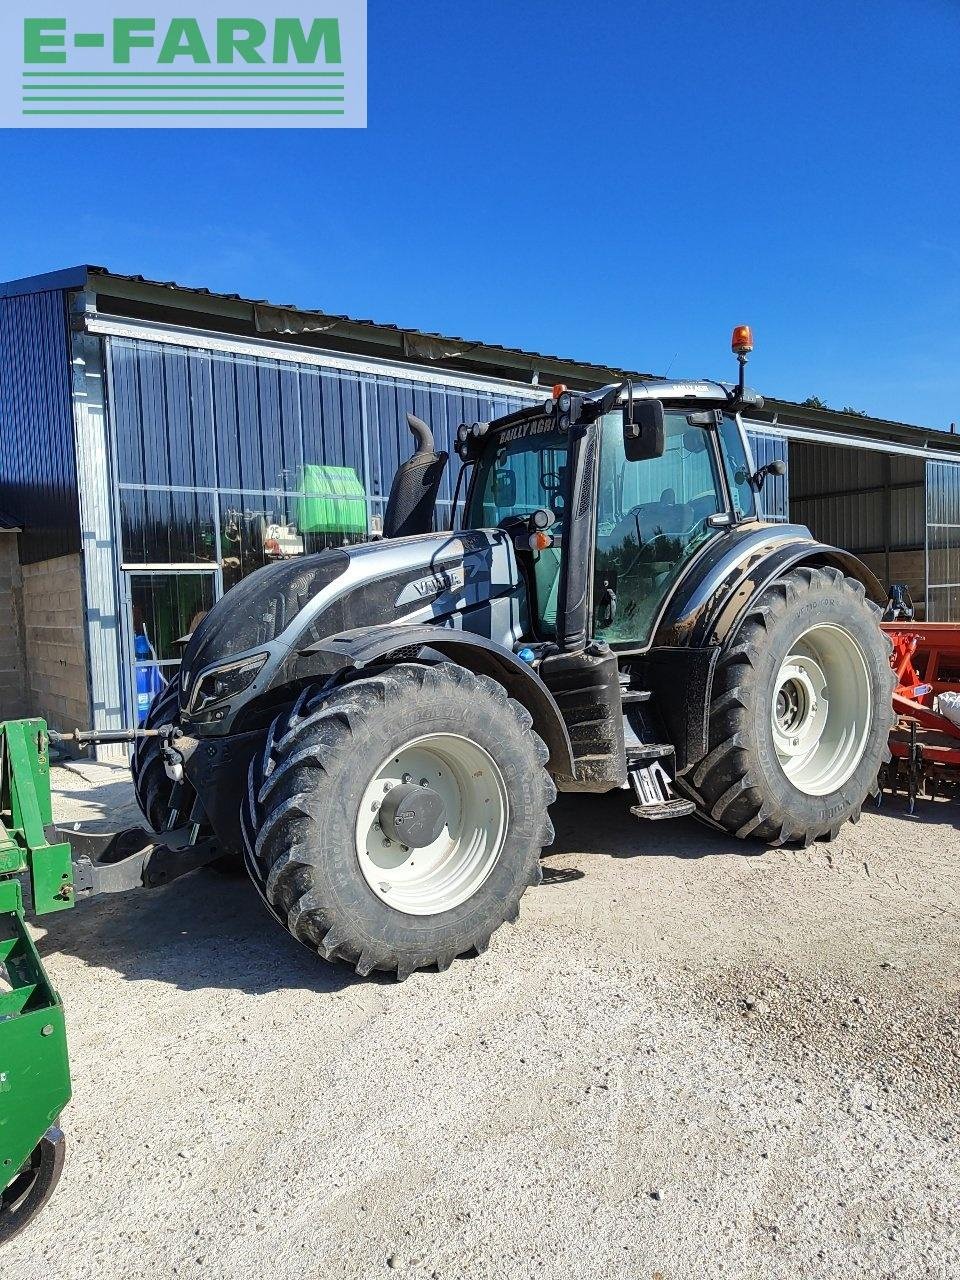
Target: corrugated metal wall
(943, 541)
(201, 435)
(860, 499)
(38, 477)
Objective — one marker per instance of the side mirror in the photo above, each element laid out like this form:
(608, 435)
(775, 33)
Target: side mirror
(775, 468)
(643, 436)
(505, 487)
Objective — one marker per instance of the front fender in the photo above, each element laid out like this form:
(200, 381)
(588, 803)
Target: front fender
(366, 646)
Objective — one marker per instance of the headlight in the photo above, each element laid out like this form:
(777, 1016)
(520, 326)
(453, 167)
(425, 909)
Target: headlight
(225, 682)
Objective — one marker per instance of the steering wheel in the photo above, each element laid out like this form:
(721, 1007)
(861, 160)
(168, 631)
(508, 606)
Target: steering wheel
(547, 480)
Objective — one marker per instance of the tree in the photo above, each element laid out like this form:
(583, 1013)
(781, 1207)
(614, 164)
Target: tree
(814, 402)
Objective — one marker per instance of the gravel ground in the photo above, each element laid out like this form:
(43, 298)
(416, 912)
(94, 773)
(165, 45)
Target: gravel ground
(688, 1059)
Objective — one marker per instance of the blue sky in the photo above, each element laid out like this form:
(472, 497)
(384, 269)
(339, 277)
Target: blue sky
(611, 181)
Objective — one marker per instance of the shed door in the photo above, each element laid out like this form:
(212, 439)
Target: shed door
(163, 608)
(943, 541)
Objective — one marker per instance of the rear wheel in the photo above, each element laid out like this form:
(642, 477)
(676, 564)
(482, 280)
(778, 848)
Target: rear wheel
(395, 822)
(802, 710)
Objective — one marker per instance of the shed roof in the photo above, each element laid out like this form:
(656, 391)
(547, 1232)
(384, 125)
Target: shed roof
(136, 296)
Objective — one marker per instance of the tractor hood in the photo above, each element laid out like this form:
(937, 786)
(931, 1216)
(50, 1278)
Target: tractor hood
(256, 638)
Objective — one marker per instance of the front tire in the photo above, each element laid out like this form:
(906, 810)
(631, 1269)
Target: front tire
(437, 747)
(801, 713)
(153, 788)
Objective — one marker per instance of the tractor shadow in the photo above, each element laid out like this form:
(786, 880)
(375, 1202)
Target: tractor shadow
(603, 824)
(211, 931)
(205, 931)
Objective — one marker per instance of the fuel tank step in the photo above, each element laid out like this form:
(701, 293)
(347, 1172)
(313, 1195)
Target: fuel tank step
(651, 786)
(641, 752)
(630, 696)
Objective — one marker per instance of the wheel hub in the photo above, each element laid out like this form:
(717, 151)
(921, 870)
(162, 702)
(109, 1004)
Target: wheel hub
(431, 824)
(820, 709)
(412, 815)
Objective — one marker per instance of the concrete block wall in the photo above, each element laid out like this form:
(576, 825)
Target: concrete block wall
(14, 691)
(55, 642)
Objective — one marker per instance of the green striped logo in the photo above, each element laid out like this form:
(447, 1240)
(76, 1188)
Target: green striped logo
(273, 68)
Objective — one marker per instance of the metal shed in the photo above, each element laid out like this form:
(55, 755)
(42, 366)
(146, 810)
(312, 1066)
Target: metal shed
(159, 442)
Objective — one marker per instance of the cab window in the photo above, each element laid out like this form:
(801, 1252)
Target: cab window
(652, 517)
(522, 471)
(737, 463)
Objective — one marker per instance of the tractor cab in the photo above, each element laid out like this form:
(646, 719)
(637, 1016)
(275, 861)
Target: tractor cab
(608, 496)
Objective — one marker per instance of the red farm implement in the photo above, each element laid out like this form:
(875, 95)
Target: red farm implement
(925, 742)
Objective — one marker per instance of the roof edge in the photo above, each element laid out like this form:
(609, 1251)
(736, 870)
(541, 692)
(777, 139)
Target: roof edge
(68, 278)
(789, 412)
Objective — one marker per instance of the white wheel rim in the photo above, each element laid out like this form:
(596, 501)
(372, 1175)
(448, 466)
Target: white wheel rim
(444, 874)
(821, 710)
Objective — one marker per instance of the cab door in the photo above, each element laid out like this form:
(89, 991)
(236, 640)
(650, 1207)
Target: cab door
(652, 518)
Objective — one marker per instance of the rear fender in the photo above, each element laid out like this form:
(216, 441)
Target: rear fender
(709, 617)
(713, 596)
(776, 565)
(366, 646)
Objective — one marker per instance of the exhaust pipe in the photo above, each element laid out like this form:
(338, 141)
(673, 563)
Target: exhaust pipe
(413, 494)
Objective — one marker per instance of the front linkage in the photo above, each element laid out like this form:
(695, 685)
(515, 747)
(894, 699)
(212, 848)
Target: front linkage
(42, 870)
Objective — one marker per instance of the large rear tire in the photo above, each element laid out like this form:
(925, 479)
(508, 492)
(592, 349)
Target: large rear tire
(436, 747)
(153, 788)
(801, 713)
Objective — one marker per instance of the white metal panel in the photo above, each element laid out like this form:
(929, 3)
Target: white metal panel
(173, 335)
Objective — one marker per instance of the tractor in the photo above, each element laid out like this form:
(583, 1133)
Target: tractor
(377, 732)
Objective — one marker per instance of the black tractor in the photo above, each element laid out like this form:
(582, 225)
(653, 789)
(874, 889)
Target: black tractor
(378, 731)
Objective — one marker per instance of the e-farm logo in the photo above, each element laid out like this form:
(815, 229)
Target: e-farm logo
(101, 64)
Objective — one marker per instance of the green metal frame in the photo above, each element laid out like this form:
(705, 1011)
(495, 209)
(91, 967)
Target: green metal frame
(34, 1068)
(25, 814)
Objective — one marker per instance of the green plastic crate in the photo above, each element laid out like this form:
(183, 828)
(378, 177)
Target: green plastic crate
(332, 501)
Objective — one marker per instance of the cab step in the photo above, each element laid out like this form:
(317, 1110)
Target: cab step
(643, 752)
(630, 696)
(651, 786)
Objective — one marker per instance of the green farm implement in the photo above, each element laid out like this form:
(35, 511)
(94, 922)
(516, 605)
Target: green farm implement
(44, 870)
(36, 877)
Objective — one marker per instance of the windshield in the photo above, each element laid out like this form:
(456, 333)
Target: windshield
(526, 470)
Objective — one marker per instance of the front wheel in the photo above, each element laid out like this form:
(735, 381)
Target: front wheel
(802, 710)
(154, 790)
(395, 821)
